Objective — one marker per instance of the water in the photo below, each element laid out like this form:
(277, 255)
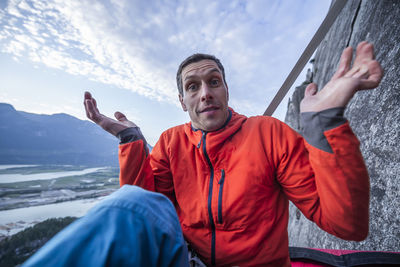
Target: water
(15, 220)
(17, 177)
(3, 167)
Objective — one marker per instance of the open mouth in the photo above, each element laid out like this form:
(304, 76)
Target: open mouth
(208, 109)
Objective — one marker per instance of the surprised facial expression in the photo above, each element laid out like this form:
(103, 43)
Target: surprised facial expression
(205, 95)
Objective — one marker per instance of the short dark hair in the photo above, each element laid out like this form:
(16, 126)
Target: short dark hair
(192, 59)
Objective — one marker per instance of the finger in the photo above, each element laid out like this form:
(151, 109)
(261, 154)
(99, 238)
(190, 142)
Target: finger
(362, 73)
(89, 108)
(364, 53)
(120, 116)
(375, 76)
(311, 90)
(95, 105)
(92, 111)
(354, 72)
(87, 95)
(366, 84)
(344, 63)
(86, 108)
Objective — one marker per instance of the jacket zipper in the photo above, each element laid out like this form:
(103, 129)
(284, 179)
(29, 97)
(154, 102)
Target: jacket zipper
(221, 186)
(210, 190)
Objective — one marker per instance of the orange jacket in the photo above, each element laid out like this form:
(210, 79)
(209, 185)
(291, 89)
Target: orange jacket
(231, 187)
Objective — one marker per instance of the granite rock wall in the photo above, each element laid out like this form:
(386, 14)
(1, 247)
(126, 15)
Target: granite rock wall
(374, 116)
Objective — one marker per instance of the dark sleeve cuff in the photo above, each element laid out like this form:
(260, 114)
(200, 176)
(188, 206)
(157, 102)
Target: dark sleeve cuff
(130, 135)
(314, 124)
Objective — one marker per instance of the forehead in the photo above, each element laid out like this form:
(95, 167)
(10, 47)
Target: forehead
(199, 68)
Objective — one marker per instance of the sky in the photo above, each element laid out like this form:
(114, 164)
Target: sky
(126, 53)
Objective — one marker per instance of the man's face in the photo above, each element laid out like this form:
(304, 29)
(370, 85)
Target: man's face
(205, 95)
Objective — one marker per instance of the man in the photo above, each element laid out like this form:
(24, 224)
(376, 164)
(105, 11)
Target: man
(230, 177)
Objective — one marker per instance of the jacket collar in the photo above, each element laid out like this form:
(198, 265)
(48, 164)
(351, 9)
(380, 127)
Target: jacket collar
(226, 123)
(217, 137)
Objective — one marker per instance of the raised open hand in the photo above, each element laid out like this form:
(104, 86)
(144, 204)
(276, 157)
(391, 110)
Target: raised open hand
(366, 73)
(110, 125)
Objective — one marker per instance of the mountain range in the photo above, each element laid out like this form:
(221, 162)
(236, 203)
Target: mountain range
(27, 138)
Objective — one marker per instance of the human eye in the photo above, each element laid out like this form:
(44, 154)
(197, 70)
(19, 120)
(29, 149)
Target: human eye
(191, 87)
(215, 82)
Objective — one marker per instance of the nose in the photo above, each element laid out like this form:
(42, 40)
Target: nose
(206, 93)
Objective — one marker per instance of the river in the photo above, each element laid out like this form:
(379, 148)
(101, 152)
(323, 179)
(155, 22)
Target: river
(3, 167)
(17, 177)
(15, 220)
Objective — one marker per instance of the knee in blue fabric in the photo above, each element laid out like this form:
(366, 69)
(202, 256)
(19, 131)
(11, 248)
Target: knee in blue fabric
(131, 227)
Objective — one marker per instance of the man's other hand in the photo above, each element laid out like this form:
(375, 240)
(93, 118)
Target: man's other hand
(110, 125)
(366, 73)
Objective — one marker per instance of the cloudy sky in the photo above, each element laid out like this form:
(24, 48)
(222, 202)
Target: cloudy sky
(126, 53)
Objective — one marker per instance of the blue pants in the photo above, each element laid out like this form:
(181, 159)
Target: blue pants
(131, 227)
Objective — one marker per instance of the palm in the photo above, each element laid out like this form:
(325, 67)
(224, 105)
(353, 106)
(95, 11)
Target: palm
(110, 125)
(366, 73)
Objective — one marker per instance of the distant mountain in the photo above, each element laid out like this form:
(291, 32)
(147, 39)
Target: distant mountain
(53, 139)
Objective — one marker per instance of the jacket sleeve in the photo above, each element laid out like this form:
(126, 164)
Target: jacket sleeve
(159, 160)
(150, 172)
(331, 188)
(134, 164)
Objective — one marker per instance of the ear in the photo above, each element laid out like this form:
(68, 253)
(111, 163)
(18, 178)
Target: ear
(182, 104)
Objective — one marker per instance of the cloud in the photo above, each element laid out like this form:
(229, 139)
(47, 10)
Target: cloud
(137, 45)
